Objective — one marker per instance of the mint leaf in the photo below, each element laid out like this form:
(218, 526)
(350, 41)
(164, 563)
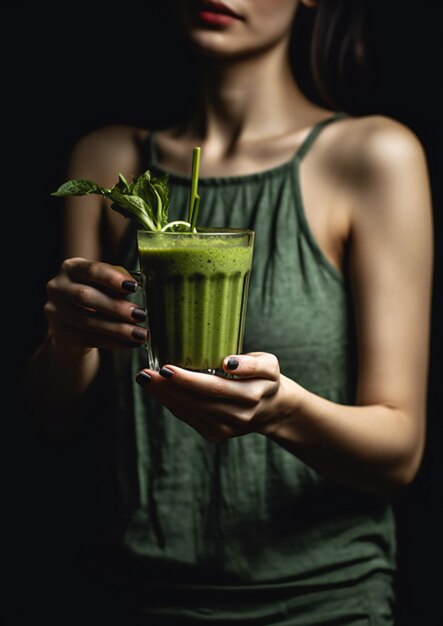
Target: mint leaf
(142, 187)
(161, 186)
(145, 198)
(123, 184)
(79, 188)
(135, 206)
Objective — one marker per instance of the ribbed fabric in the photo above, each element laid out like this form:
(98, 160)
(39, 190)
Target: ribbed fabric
(244, 532)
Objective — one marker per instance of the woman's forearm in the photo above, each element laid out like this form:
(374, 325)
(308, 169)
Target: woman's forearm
(375, 448)
(56, 384)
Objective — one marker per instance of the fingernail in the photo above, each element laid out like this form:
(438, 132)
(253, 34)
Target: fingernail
(142, 378)
(139, 334)
(138, 314)
(166, 373)
(232, 363)
(129, 285)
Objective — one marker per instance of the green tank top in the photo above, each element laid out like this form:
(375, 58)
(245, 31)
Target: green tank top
(246, 524)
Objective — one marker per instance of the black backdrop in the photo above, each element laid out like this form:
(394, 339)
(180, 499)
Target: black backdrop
(68, 67)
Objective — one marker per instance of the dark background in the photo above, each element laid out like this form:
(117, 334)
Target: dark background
(69, 67)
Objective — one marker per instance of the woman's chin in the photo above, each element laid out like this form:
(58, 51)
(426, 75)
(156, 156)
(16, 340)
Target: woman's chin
(215, 44)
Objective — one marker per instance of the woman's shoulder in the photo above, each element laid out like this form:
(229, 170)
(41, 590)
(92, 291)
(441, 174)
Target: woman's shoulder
(381, 165)
(375, 143)
(113, 135)
(374, 162)
(103, 152)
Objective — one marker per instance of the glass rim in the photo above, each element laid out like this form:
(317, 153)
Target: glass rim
(204, 232)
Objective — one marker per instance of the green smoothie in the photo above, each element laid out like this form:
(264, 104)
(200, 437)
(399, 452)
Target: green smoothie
(196, 293)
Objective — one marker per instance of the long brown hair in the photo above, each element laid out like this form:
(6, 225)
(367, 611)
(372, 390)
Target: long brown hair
(332, 37)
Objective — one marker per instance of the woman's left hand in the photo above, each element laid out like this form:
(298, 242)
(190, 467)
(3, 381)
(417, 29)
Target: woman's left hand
(220, 408)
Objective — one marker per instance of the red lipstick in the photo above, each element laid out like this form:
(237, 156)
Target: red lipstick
(216, 13)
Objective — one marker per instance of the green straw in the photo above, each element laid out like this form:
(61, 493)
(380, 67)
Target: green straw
(194, 199)
(195, 211)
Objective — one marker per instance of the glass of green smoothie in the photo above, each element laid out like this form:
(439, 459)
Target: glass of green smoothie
(196, 286)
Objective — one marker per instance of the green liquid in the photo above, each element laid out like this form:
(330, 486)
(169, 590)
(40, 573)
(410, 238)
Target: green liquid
(196, 299)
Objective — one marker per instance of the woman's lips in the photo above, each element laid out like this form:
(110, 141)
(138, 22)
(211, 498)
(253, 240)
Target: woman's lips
(216, 14)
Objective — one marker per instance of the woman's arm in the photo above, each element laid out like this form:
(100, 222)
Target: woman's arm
(85, 310)
(377, 444)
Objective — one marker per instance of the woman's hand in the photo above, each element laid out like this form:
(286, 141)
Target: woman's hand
(87, 309)
(220, 408)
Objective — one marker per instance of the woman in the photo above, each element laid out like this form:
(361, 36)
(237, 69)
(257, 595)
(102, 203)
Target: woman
(286, 520)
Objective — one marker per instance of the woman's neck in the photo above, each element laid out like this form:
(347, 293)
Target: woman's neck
(248, 100)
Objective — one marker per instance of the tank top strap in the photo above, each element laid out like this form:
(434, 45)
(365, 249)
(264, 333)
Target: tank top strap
(315, 131)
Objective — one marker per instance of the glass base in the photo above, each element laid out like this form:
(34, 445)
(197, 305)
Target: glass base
(153, 364)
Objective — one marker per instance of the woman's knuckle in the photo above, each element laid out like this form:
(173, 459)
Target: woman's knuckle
(66, 266)
(69, 265)
(49, 310)
(274, 365)
(51, 287)
(256, 395)
(253, 396)
(84, 296)
(90, 270)
(242, 415)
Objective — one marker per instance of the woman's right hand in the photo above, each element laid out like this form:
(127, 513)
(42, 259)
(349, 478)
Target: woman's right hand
(87, 309)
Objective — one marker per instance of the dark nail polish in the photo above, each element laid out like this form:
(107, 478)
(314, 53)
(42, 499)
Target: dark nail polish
(142, 378)
(129, 285)
(138, 314)
(166, 373)
(232, 363)
(139, 334)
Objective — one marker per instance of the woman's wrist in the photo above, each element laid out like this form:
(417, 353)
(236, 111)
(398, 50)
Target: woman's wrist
(285, 406)
(66, 352)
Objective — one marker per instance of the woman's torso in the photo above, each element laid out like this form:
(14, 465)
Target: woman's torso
(246, 514)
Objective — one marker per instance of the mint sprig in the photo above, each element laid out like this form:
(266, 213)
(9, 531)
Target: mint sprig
(145, 198)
